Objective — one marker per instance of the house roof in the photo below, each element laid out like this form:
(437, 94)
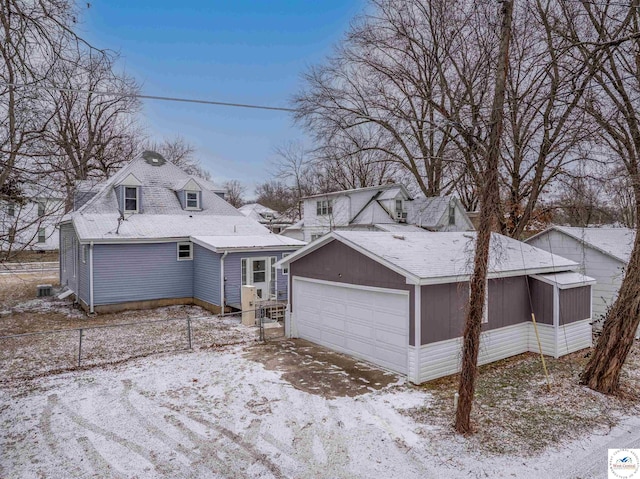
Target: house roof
(358, 190)
(427, 212)
(398, 228)
(429, 257)
(109, 227)
(614, 242)
(163, 216)
(242, 242)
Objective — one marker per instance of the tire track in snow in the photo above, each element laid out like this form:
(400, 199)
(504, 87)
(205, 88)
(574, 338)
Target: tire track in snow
(99, 464)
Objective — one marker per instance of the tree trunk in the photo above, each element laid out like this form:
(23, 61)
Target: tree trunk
(602, 372)
(488, 207)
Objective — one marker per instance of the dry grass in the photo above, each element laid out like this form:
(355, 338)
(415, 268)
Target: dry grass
(515, 414)
(31, 256)
(34, 355)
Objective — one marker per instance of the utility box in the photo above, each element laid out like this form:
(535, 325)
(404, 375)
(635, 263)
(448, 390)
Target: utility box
(248, 301)
(44, 290)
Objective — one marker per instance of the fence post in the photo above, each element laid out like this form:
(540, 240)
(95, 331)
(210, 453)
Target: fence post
(80, 348)
(189, 331)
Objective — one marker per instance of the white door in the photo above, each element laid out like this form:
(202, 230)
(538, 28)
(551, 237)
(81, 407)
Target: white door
(259, 272)
(368, 323)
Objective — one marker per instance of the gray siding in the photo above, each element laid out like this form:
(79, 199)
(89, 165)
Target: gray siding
(542, 300)
(206, 275)
(443, 309)
(139, 272)
(508, 302)
(575, 304)
(339, 263)
(233, 275)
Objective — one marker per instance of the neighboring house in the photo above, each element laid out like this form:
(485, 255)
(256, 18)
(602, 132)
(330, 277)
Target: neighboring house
(399, 300)
(31, 225)
(375, 208)
(153, 235)
(266, 216)
(602, 253)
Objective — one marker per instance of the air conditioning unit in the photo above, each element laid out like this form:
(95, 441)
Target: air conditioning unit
(401, 216)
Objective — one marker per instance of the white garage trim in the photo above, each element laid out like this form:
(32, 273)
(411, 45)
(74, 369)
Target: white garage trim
(367, 322)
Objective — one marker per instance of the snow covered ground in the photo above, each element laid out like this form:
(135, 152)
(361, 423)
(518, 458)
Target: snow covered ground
(215, 413)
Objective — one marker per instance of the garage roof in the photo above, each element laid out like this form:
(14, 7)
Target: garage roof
(436, 257)
(247, 242)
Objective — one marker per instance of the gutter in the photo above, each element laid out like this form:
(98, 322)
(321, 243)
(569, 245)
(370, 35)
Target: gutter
(222, 299)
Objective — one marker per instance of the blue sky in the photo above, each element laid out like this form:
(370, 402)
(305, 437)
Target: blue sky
(234, 51)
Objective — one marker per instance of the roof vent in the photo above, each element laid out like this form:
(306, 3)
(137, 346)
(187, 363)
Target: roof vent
(400, 237)
(153, 158)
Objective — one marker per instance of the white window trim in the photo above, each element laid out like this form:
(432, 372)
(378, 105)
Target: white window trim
(84, 253)
(124, 199)
(248, 264)
(186, 200)
(324, 207)
(485, 311)
(184, 243)
(285, 269)
(44, 235)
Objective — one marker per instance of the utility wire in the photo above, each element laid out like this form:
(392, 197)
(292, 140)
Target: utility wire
(149, 97)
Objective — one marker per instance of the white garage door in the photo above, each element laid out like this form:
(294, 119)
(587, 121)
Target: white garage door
(371, 323)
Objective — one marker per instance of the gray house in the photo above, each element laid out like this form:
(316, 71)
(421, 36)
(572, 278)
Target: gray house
(602, 253)
(152, 235)
(398, 300)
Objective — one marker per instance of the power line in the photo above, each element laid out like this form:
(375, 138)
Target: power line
(149, 97)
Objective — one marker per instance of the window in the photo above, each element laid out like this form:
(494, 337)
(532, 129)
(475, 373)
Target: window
(12, 234)
(193, 200)
(42, 235)
(130, 199)
(324, 207)
(398, 206)
(259, 271)
(41, 209)
(452, 215)
(244, 272)
(185, 251)
(315, 237)
(11, 209)
(285, 269)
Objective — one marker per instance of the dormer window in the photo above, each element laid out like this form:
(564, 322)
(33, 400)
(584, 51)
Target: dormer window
(399, 206)
(130, 199)
(193, 200)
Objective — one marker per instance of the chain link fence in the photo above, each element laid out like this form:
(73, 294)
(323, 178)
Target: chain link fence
(44, 352)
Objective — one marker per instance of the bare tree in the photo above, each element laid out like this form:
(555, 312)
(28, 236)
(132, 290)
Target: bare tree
(235, 193)
(276, 195)
(611, 49)
(489, 203)
(182, 154)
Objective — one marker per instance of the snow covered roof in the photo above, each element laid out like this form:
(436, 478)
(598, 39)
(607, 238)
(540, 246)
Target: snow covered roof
(430, 257)
(162, 215)
(109, 227)
(427, 212)
(257, 212)
(616, 242)
(372, 189)
(241, 242)
(399, 228)
(567, 279)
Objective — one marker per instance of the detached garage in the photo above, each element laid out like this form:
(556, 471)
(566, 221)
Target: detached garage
(399, 301)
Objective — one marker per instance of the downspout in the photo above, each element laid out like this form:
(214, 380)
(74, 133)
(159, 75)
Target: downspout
(91, 277)
(222, 299)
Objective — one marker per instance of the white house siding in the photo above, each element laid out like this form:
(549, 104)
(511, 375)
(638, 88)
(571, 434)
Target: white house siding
(444, 357)
(607, 271)
(68, 277)
(27, 223)
(140, 272)
(206, 275)
(460, 223)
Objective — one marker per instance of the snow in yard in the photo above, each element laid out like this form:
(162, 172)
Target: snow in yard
(216, 413)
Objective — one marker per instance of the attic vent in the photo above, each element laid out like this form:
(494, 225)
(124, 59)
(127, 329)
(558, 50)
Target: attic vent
(153, 158)
(400, 237)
